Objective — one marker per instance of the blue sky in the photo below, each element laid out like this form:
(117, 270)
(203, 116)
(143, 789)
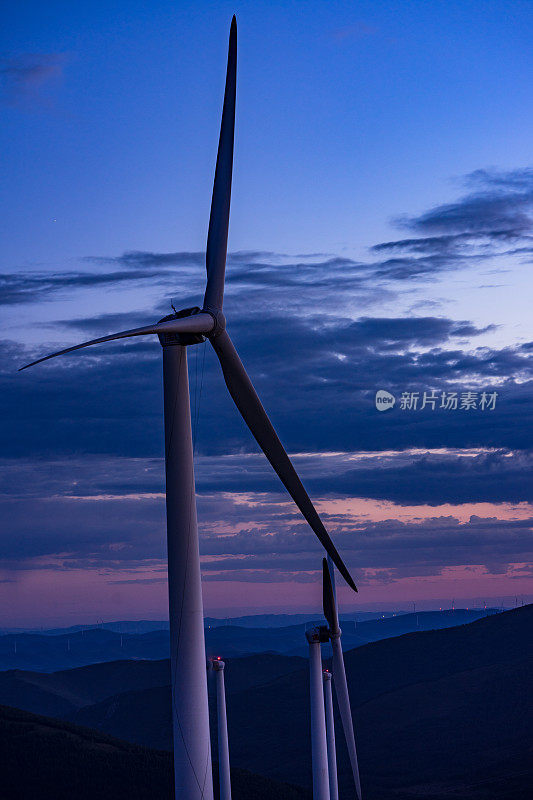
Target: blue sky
(380, 234)
(349, 114)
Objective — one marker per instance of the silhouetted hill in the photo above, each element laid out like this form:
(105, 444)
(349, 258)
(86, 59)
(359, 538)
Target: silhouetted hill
(148, 625)
(415, 657)
(448, 709)
(48, 759)
(394, 682)
(118, 626)
(43, 653)
(61, 694)
(248, 621)
(286, 620)
(467, 735)
(234, 640)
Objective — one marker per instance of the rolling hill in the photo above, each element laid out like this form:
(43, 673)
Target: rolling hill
(438, 714)
(435, 712)
(61, 694)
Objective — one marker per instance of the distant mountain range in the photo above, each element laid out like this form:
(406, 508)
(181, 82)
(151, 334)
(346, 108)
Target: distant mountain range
(438, 714)
(53, 650)
(249, 621)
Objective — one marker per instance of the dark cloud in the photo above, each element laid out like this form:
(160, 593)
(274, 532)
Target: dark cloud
(182, 276)
(101, 324)
(482, 224)
(82, 436)
(253, 536)
(24, 76)
(471, 230)
(519, 180)
(451, 246)
(405, 477)
(130, 581)
(500, 204)
(140, 259)
(34, 287)
(412, 478)
(393, 332)
(434, 479)
(108, 399)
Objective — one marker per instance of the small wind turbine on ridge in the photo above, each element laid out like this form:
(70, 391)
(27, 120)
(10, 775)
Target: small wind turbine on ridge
(330, 737)
(224, 776)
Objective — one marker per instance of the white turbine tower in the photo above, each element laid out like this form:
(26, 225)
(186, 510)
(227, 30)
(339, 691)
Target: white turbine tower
(319, 747)
(330, 736)
(192, 752)
(339, 673)
(224, 777)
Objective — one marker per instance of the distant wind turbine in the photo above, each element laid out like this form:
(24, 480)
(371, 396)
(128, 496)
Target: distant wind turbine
(192, 752)
(339, 673)
(330, 736)
(222, 732)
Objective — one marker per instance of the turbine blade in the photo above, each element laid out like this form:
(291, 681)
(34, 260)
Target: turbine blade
(343, 701)
(245, 398)
(217, 238)
(196, 323)
(328, 599)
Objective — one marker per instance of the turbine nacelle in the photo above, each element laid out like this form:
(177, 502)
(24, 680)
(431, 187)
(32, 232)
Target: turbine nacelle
(213, 328)
(319, 634)
(168, 338)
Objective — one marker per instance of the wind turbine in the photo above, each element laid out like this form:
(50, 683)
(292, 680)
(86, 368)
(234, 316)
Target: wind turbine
(222, 732)
(192, 752)
(319, 747)
(339, 673)
(330, 737)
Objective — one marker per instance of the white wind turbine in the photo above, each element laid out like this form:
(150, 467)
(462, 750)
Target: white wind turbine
(192, 752)
(330, 737)
(339, 673)
(319, 745)
(323, 749)
(224, 777)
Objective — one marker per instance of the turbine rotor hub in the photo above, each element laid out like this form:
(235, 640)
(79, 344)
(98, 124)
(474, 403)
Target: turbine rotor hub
(218, 318)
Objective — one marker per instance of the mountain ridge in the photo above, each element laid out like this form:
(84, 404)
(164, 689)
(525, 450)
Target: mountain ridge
(451, 709)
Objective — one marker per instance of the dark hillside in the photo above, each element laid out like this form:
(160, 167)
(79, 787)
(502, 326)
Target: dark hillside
(451, 705)
(61, 694)
(46, 759)
(438, 714)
